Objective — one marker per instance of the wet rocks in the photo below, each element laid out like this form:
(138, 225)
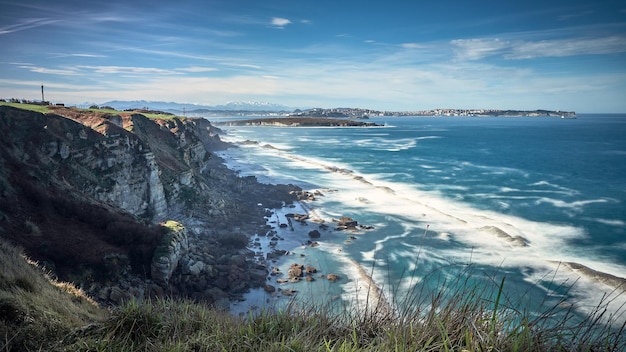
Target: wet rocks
(315, 234)
(346, 223)
(332, 277)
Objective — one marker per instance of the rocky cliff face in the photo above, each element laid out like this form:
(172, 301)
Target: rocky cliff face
(173, 246)
(105, 178)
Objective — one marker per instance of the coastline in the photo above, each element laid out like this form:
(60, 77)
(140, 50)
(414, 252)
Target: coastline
(506, 239)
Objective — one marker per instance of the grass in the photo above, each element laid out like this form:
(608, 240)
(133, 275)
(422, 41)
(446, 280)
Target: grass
(44, 109)
(37, 313)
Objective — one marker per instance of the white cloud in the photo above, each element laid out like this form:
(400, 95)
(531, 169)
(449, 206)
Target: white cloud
(476, 49)
(52, 71)
(129, 70)
(412, 46)
(480, 48)
(197, 69)
(280, 22)
(568, 47)
(26, 24)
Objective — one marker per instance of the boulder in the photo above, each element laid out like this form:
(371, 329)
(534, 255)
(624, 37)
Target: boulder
(296, 270)
(347, 222)
(196, 268)
(288, 292)
(332, 277)
(315, 234)
(310, 270)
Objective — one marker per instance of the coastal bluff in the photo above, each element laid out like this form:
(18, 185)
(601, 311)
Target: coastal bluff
(127, 206)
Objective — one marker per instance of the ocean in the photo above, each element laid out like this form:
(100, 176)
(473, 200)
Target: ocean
(450, 199)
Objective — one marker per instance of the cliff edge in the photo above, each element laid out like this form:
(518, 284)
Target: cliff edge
(93, 195)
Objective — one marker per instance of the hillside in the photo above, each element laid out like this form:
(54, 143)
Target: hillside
(130, 207)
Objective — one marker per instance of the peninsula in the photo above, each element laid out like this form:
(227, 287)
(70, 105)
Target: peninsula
(300, 122)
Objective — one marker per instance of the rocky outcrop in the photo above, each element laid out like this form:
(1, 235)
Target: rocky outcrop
(78, 187)
(173, 247)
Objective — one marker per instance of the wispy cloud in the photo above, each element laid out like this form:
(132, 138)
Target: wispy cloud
(568, 47)
(412, 46)
(197, 69)
(26, 24)
(280, 22)
(476, 49)
(52, 71)
(130, 70)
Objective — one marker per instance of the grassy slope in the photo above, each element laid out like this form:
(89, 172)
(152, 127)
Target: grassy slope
(36, 312)
(40, 314)
(51, 108)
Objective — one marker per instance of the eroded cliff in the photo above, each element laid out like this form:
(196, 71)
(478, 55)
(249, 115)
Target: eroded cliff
(84, 192)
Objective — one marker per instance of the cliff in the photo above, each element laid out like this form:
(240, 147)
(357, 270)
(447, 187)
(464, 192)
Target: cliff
(88, 194)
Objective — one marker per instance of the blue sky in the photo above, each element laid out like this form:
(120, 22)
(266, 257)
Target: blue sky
(385, 55)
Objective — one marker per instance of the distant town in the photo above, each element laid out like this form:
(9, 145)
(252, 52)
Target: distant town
(366, 113)
(266, 109)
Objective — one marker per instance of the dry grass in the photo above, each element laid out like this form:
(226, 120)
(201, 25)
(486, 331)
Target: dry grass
(36, 311)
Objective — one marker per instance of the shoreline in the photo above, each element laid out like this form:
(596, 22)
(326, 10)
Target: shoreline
(510, 240)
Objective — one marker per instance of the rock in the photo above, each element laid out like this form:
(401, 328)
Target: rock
(310, 270)
(347, 222)
(309, 278)
(288, 292)
(300, 217)
(257, 276)
(174, 245)
(196, 268)
(119, 296)
(238, 260)
(269, 288)
(315, 234)
(295, 271)
(312, 244)
(276, 254)
(332, 277)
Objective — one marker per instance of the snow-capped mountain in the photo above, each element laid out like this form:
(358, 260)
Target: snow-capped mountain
(178, 107)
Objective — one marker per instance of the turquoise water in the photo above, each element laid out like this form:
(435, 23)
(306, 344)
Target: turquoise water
(513, 197)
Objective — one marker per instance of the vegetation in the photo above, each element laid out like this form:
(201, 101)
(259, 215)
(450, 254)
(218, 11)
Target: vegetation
(38, 313)
(45, 108)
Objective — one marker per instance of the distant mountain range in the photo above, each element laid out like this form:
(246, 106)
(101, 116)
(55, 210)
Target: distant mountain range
(179, 107)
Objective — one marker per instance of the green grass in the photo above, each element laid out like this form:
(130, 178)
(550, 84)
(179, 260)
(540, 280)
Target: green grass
(51, 108)
(44, 109)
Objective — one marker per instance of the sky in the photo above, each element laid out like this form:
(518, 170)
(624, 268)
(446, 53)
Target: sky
(384, 55)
